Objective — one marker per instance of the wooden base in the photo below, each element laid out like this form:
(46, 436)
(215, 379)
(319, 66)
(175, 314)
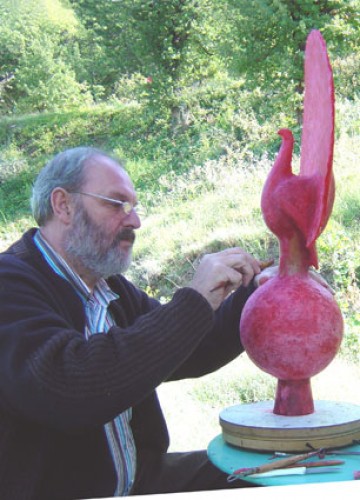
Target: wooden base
(254, 426)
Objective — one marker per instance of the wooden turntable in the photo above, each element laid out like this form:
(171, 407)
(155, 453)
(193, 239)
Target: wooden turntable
(254, 426)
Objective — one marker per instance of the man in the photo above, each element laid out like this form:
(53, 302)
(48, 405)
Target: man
(82, 350)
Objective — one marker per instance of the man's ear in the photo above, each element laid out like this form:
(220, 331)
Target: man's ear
(61, 205)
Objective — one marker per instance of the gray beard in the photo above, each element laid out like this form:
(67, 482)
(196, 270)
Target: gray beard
(88, 247)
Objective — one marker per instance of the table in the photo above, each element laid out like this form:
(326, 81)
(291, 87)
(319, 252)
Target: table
(229, 458)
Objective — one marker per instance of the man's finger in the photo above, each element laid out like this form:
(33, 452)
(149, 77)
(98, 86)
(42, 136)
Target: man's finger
(238, 261)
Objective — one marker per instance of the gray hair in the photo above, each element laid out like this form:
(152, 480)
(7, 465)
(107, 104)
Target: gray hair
(65, 170)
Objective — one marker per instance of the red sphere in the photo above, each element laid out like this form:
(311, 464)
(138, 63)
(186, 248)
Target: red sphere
(291, 327)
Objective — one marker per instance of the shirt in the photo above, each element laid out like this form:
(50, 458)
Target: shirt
(99, 319)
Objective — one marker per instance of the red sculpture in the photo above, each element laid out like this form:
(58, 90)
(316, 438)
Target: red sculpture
(292, 326)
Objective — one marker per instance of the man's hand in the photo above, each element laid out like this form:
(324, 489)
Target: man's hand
(220, 273)
(265, 275)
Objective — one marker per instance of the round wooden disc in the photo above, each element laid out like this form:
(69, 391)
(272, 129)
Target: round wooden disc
(255, 426)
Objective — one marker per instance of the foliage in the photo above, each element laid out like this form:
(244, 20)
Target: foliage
(39, 57)
(166, 55)
(268, 42)
(167, 41)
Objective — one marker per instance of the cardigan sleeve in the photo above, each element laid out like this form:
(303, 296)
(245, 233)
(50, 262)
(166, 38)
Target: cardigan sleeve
(222, 343)
(51, 375)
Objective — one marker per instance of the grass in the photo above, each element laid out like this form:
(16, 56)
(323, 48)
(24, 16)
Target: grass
(216, 205)
(209, 208)
(193, 206)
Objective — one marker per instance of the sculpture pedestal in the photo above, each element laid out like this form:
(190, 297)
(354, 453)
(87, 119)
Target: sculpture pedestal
(254, 426)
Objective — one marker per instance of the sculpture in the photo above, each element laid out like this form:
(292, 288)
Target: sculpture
(291, 326)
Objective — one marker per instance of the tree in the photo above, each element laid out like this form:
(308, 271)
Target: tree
(39, 51)
(57, 53)
(175, 43)
(172, 44)
(268, 41)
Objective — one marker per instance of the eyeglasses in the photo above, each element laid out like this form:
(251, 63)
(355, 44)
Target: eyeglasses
(126, 206)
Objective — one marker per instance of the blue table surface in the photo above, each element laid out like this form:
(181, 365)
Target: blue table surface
(229, 458)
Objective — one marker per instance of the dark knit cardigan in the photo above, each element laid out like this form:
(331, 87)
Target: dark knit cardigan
(57, 390)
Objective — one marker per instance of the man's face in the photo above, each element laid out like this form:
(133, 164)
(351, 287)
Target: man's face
(101, 235)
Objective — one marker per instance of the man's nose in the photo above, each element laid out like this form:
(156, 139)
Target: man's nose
(133, 219)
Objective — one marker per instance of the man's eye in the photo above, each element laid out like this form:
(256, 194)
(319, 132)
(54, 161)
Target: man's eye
(122, 206)
(115, 205)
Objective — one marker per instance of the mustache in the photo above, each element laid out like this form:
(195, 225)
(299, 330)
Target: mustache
(127, 234)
